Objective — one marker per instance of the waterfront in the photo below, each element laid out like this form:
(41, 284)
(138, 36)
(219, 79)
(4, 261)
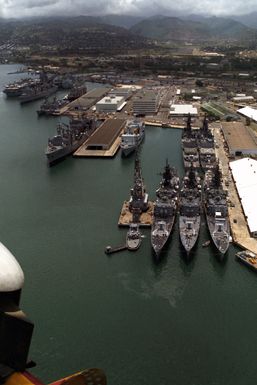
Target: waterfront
(171, 323)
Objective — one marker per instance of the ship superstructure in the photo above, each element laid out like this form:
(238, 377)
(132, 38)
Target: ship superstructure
(17, 88)
(138, 202)
(190, 146)
(39, 89)
(51, 107)
(190, 209)
(216, 209)
(206, 147)
(132, 137)
(165, 208)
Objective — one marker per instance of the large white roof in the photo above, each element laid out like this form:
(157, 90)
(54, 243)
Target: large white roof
(11, 274)
(249, 112)
(245, 175)
(183, 109)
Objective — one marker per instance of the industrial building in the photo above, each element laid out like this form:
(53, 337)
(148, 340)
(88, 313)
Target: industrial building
(89, 99)
(125, 92)
(103, 138)
(248, 112)
(146, 102)
(244, 172)
(239, 139)
(243, 98)
(110, 104)
(183, 110)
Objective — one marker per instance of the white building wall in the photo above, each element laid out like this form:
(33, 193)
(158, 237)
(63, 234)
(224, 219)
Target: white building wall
(244, 173)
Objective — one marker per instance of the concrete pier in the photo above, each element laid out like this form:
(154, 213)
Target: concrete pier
(238, 223)
(105, 141)
(146, 218)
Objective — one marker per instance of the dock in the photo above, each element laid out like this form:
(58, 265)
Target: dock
(146, 218)
(238, 224)
(112, 250)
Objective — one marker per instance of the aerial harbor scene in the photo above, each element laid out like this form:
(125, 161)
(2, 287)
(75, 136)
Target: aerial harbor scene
(128, 249)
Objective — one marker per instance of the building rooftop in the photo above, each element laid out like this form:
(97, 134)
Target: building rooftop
(106, 133)
(145, 95)
(244, 172)
(183, 109)
(111, 100)
(249, 112)
(238, 136)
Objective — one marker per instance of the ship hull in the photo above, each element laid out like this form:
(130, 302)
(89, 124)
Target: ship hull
(12, 93)
(188, 237)
(40, 95)
(127, 150)
(159, 241)
(56, 156)
(219, 238)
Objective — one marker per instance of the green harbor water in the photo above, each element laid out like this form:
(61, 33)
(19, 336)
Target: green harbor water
(143, 323)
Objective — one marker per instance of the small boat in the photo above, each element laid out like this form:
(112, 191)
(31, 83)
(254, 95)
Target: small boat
(133, 240)
(207, 243)
(248, 258)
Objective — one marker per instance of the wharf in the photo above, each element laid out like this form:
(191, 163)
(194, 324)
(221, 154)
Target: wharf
(83, 152)
(238, 223)
(146, 218)
(167, 124)
(111, 250)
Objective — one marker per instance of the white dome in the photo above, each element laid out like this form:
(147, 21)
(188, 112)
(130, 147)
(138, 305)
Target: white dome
(11, 274)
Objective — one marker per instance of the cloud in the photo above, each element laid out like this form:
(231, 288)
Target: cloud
(21, 8)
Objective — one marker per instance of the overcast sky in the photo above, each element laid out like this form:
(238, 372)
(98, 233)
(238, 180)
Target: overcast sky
(20, 8)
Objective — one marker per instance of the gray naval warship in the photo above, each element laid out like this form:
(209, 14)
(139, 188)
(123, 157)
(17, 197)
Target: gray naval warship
(216, 209)
(68, 139)
(206, 147)
(165, 209)
(133, 135)
(190, 209)
(190, 146)
(39, 89)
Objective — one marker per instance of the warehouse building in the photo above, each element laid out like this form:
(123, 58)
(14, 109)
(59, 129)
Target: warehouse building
(244, 172)
(183, 110)
(105, 135)
(239, 139)
(248, 112)
(110, 104)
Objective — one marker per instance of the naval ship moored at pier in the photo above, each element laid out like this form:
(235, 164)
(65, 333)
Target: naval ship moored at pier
(190, 146)
(216, 209)
(206, 147)
(133, 135)
(165, 208)
(68, 139)
(190, 209)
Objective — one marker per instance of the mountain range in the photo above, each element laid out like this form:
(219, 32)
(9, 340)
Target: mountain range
(118, 30)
